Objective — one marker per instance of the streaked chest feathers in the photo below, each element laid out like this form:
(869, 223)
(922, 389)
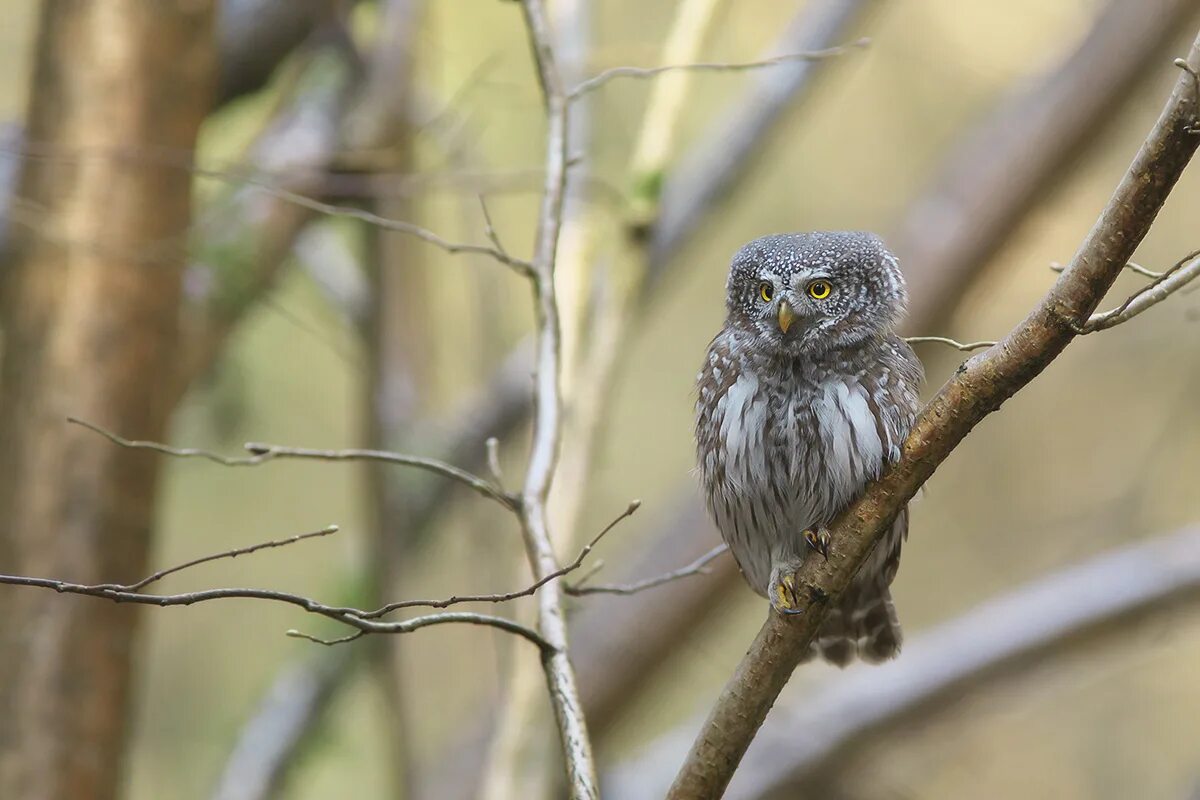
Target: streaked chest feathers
(779, 460)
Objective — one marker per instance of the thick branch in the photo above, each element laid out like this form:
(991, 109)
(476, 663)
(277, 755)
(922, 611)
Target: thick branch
(976, 390)
(1097, 601)
(1018, 153)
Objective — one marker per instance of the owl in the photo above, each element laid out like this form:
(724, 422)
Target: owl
(806, 394)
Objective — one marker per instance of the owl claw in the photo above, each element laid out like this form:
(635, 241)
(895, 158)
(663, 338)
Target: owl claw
(784, 598)
(818, 539)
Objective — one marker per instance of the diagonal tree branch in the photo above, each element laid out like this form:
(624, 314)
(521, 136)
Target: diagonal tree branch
(1019, 151)
(1095, 601)
(976, 390)
(257, 767)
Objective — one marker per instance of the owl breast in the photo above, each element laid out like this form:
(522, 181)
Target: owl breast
(781, 455)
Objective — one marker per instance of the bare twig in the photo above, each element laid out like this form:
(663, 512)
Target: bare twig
(1012, 160)
(822, 24)
(492, 445)
(262, 453)
(591, 84)
(308, 637)
(347, 616)
(520, 266)
(363, 621)
(489, 229)
(976, 389)
(239, 551)
(957, 345)
(697, 567)
(1132, 267)
(507, 596)
(1163, 286)
(699, 182)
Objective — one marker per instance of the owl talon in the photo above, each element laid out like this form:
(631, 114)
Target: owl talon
(784, 597)
(818, 539)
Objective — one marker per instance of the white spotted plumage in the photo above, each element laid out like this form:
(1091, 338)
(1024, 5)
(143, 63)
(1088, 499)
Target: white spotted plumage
(791, 425)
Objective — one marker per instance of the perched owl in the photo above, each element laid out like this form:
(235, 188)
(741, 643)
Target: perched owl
(806, 394)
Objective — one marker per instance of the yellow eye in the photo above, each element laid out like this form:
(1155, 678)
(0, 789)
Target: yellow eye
(819, 290)
(766, 291)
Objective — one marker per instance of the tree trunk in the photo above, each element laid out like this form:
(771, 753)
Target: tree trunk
(89, 302)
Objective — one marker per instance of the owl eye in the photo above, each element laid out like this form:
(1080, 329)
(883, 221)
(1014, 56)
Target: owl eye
(766, 291)
(819, 290)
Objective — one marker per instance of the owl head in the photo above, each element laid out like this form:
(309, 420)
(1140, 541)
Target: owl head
(807, 293)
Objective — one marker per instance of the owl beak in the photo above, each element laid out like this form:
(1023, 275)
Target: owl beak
(786, 316)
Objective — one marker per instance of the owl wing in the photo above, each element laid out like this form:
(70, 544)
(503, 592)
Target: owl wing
(863, 621)
(719, 372)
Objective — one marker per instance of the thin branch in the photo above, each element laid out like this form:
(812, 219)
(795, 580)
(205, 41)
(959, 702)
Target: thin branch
(1163, 286)
(591, 84)
(520, 266)
(822, 24)
(957, 345)
(239, 551)
(507, 596)
(262, 453)
(703, 174)
(1007, 164)
(697, 567)
(308, 637)
(1132, 267)
(547, 422)
(978, 388)
(489, 229)
(355, 618)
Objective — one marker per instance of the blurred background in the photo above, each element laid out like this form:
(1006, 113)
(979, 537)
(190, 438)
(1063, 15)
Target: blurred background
(980, 139)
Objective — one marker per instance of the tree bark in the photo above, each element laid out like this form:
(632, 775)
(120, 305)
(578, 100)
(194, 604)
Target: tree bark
(90, 304)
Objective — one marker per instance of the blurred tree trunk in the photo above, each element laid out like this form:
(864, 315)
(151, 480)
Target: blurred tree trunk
(90, 302)
(396, 336)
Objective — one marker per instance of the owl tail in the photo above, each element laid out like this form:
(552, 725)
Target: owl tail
(862, 623)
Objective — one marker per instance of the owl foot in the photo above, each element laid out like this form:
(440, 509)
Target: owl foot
(818, 539)
(783, 591)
